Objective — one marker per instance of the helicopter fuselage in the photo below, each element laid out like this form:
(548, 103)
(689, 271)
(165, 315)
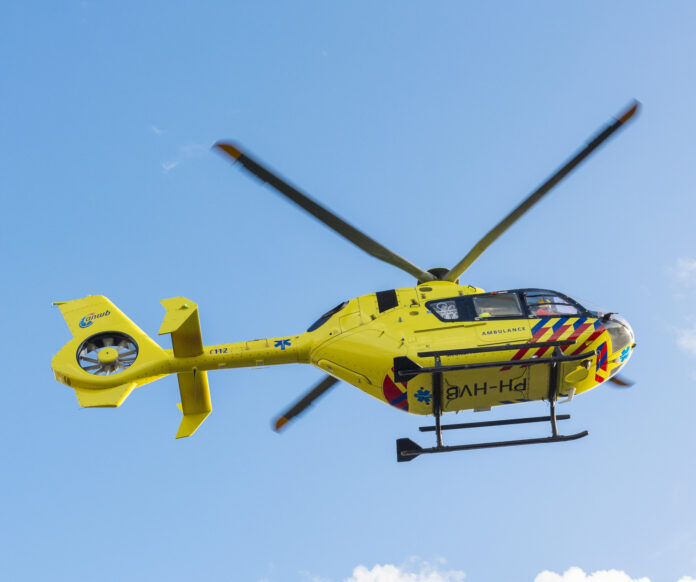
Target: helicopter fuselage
(358, 342)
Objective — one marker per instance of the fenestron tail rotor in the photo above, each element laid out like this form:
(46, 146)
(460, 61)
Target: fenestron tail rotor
(330, 219)
(107, 353)
(539, 193)
(305, 402)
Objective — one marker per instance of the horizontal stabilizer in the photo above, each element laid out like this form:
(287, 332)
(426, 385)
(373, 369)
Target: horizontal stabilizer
(195, 401)
(181, 320)
(190, 423)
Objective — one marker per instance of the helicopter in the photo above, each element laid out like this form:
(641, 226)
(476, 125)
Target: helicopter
(435, 347)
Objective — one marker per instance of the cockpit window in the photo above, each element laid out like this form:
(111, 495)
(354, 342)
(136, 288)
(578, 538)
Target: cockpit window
(505, 304)
(324, 318)
(543, 303)
(476, 307)
(446, 309)
(498, 305)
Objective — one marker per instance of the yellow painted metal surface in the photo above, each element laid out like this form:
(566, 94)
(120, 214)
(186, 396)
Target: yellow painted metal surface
(104, 398)
(358, 345)
(181, 321)
(195, 401)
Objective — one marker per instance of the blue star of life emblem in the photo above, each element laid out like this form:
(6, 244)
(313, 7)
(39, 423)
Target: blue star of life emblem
(423, 395)
(282, 344)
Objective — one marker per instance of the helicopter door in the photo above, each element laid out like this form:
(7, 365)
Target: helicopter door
(501, 319)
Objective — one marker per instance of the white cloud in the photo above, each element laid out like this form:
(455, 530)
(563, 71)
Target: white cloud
(425, 572)
(685, 272)
(686, 340)
(684, 275)
(185, 152)
(575, 574)
(390, 573)
(156, 130)
(166, 166)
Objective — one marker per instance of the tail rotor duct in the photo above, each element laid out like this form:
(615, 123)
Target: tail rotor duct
(107, 353)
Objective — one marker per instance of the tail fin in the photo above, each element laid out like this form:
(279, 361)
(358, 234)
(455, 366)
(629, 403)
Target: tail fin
(109, 356)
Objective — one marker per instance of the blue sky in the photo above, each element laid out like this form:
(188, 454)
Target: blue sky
(421, 123)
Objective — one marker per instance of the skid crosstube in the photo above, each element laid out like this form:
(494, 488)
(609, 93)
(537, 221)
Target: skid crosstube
(405, 368)
(494, 423)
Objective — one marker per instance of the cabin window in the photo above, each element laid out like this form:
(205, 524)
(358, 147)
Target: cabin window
(476, 307)
(324, 318)
(446, 310)
(544, 304)
(497, 305)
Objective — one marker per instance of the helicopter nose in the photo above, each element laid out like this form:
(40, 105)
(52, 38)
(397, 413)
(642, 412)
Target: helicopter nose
(622, 337)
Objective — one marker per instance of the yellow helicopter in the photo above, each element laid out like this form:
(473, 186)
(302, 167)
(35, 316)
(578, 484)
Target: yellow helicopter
(428, 349)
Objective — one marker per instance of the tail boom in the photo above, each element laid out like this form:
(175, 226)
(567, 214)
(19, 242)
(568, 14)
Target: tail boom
(109, 355)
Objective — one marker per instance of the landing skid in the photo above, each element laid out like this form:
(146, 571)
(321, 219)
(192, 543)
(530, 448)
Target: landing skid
(407, 450)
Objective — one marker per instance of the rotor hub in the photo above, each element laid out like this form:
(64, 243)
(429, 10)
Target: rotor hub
(108, 355)
(439, 273)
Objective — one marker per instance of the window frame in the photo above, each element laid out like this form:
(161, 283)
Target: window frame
(565, 300)
(520, 305)
(465, 304)
(328, 315)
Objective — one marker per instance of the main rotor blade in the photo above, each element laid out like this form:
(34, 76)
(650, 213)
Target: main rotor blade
(339, 225)
(621, 381)
(535, 196)
(303, 403)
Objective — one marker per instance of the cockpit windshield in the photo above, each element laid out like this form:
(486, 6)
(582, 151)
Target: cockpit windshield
(324, 318)
(545, 303)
